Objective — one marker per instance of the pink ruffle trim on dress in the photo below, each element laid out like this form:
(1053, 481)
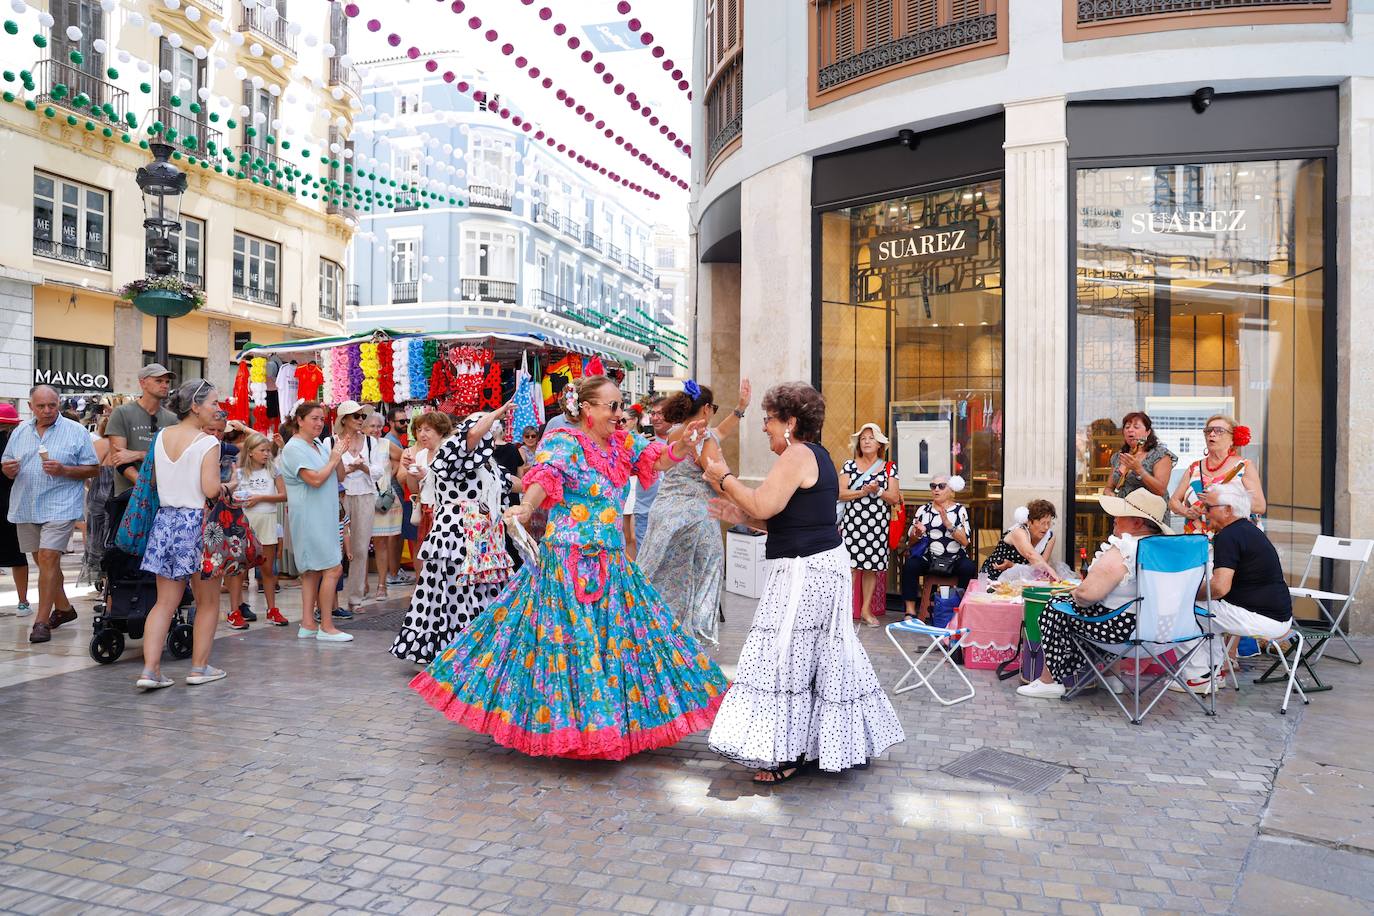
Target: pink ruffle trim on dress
(613, 461)
(646, 468)
(551, 481)
(602, 744)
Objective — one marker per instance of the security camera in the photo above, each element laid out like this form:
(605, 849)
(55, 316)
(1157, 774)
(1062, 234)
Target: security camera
(1202, 99)
(908, 138)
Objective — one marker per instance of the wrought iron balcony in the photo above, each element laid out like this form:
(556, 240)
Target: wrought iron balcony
(725, 107)
(635, 265)
(489, 290)
(1098, 11)
(617, 255)
(551, 302)
(87, 257)
(277, 31)
(345, 76)
(548, 217)
(571, 229)
(481, 195)
(351, 299)
(594, 242)
(406, 201)
(178, 127)
(81, 91)
(404, 292)
(257, 294)
(270, 168)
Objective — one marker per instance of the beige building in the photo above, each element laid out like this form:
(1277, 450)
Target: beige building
(672, 266)
(269, 259)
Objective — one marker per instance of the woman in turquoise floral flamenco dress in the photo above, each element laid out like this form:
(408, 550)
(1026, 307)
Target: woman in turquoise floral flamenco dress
(578, 656)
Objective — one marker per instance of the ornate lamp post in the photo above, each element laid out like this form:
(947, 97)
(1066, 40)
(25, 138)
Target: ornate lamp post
(162, 184)
(651, 360)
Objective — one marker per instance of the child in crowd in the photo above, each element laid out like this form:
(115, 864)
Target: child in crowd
(260, 490)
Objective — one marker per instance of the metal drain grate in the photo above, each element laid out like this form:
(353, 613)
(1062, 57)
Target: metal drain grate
(1010, 771)
(377, 620)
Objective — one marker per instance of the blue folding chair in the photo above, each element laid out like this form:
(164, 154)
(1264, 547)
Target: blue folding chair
(1169, 572)
(942, 640)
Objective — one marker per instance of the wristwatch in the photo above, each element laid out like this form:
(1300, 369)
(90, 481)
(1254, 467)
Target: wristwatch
(739, 413)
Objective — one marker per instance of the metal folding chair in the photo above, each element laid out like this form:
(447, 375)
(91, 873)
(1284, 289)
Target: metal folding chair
(943, 640)
(1355, 551)
(1169, 572)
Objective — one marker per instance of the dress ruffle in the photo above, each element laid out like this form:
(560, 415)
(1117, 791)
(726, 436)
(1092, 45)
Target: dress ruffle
(550, 480)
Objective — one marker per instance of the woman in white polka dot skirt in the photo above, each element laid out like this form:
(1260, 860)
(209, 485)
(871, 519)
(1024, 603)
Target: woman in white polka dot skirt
(804, 692)
(869, 493)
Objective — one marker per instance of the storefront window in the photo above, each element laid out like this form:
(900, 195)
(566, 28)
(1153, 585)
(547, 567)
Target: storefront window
(911, 337)
(1199, 292)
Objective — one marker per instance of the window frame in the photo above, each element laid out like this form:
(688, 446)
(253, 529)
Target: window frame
(240, 283)
(183, 243)
(473, 236)
(500, 175)
(94, 348)
(331, 273)
(83, 212)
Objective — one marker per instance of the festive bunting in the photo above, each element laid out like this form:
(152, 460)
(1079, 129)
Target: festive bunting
(647, 38)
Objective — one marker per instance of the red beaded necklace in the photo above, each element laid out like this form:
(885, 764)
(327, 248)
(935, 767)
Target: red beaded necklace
(1208, 464)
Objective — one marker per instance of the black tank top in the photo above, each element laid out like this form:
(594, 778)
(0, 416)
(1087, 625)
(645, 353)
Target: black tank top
(806, 525)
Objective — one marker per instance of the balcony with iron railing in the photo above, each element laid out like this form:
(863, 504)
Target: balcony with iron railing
(404, 292)
(635, 265)
(345, 75)
(72, 254)
(270, 169)
(75, 89)
(210, 6)
(860, 44)
(344, 207)
(616, 254)
(481, 290)
(571, 229)
(405, 202)
(276, 29)
(493, 198)
(1108, 18)
(352, 298)
(594, 242)
(551, 302)
(543, 214)
(260, 295)
(724, 106)
(178, 127)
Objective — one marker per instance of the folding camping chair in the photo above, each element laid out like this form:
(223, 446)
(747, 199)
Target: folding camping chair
(941, 639)
(1351, 550)
(1169, 571)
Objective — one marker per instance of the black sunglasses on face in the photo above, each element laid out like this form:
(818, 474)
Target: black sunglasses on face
(938, 486)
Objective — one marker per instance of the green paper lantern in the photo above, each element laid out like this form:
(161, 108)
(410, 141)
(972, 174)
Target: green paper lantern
(231, 124)
(176, 155)
(255, 180)
(29, 104)
(156, 128)
(195, 108)
(77, 58)
(204, 164)
(143, 144)
(49, 112)
(9, 78)
(11, 27)
(107, 132)
(286, 144)
(271, 140)
(175, 101)
(145, 88)
(71, 120)
(171, 135)
(25, 76)
(108, 111)
(305, 153)
(219, 168)
(112, 73)
(127, 139)
(131, 119)
(251, 132)
(90, 125)
(214, 117)
(39, 41)
(8, 96)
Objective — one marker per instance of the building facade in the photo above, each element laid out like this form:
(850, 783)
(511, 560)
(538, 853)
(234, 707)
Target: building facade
(530, 246)
(269, 258)
(995, 229)
(672, 265)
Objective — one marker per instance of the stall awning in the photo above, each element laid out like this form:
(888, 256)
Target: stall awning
(513, 342)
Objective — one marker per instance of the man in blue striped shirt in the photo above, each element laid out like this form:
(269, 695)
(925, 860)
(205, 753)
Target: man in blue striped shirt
(49, 459)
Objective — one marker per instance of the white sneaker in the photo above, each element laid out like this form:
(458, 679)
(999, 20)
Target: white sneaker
(1114, 684)
(1041, 690)
(23, 609)
(1200, 685)
(337, 636)
(303, 633)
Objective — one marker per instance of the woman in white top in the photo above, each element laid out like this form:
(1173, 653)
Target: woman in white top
(415, 466)
(186, 463)
(360, 470)
(260, 490)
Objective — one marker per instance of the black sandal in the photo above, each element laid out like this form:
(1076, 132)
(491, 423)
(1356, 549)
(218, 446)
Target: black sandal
(781, 774)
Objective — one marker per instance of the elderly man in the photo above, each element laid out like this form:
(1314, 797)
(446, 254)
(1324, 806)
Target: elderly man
(1109, 584)
(1249, 594)
(133, 425)
(48, 458)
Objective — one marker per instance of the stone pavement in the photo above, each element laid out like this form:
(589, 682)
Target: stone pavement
(312, 781)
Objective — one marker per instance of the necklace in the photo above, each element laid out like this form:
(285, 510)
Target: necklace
(1207, 464)
(591, 440)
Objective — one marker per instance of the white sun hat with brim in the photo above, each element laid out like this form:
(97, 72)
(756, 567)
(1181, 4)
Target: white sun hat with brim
(1139, 503)
(877, 434)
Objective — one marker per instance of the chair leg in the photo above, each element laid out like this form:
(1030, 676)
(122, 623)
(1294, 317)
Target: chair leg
(1292, 671)
(1337, 632)
(923, 678)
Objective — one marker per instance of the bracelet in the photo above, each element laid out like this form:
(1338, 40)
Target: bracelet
(722, 479)
(739, 413)
(673, 455)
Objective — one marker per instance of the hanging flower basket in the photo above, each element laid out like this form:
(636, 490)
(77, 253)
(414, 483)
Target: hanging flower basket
(167, 297)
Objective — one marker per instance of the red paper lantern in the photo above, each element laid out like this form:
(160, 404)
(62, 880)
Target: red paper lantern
(623, 8)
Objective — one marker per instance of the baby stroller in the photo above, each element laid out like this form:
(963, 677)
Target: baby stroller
(127, 594)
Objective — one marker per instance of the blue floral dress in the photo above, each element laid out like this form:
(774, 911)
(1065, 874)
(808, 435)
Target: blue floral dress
(578, 656)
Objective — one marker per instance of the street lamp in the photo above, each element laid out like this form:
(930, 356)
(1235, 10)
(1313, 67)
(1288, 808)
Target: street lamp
(651, 365)
(162, 184)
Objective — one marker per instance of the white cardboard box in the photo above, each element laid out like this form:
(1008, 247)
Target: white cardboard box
(744, 566)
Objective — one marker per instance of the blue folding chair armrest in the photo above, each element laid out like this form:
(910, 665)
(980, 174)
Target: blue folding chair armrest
(1087, 619)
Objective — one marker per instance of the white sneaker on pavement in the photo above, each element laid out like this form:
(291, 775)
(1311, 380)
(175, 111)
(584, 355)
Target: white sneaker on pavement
(1041, 690)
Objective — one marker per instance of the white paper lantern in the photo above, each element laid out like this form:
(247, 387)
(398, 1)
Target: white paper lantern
(171, 4)
(200, 52)
(174, 40)
(45, 20)
(155, 29)
(123, 57)
(193, 14)
(20, 8)
(311, 40)
(100, 46)
(278, 61)
(165, 76)
(73, 33)
(236, 39)
(329, 49)
(270, 14)
(221, 63)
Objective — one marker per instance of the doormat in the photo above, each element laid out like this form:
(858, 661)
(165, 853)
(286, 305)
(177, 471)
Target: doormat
(1010, 771)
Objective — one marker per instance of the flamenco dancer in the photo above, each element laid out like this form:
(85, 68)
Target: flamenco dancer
(805, 693)
(578, 657)
(463, 560)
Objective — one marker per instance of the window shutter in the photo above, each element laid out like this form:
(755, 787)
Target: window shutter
(732, 29)
(338, 27)
(921, 16)
(248, 100)
(61, 18)
(202, 80)
(965, 9)
(844, 31)
(164, 62)
(94, 59)
(877, 22)
(281, 8)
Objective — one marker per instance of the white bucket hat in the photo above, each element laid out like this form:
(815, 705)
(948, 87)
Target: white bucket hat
(348, 408)
(1139, 503)
(877, 434)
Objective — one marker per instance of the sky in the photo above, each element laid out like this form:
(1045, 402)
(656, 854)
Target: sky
(433, 27)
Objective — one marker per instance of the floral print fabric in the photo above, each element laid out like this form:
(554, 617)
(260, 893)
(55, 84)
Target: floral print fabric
(230, 545)
(578, 656)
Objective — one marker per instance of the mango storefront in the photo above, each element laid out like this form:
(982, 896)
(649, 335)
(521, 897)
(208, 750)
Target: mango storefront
(1200, 255)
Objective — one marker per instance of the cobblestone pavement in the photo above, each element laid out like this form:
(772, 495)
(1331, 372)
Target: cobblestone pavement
(313, 781)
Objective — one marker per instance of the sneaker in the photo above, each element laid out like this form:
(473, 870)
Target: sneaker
(1041, 690)
(341, 614)
(236, 621)
(24, 609)
(303, 633)
(1115, 685)
(40, 633)
(204, 675)
(336, 636)
(275, 618)
(1198, 685)
(60, 616)
(147, 681)
(247, 613)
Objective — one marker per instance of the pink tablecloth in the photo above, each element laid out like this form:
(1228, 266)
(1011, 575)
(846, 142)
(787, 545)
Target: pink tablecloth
(994, 629)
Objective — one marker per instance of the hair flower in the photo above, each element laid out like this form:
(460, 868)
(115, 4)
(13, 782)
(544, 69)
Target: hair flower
(1240, 437)
(692, 388)
(571, 397)
(956, 484)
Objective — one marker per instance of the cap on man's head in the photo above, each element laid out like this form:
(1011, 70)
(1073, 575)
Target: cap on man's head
(155, 370)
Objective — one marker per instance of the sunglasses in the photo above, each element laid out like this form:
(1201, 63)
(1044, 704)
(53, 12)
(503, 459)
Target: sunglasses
(612, 406)
(938, 486)
(1219, 430)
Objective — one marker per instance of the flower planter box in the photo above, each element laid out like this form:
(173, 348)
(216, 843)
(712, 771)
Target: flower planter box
(163, 302)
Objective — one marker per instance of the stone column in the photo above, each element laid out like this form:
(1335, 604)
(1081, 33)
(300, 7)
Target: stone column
(1354, 496)
(721, 365)
(16, 335)
(219, 350)
(1035, 205)
(126, 356)
(774, 292)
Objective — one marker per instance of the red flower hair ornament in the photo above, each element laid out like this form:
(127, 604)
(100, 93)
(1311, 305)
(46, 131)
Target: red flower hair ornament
(1240, 437)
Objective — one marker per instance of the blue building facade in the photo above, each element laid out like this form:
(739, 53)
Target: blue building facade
(534, 245)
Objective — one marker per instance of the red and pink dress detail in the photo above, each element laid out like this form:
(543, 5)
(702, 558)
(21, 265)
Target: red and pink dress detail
(578, 656)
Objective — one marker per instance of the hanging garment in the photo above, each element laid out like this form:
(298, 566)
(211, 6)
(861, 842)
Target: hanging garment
(238, 407)
(309, 380)
(287, 388)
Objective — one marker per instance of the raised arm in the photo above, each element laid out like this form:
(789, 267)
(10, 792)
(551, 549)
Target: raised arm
(730, 422)
(483, 426)
(793, 468)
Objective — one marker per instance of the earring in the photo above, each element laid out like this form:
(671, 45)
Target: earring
(787, 436)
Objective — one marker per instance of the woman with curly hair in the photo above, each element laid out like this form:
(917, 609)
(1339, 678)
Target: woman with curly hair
(804, 692)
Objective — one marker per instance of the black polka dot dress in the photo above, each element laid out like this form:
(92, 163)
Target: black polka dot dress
(866, 519)
(463, 562)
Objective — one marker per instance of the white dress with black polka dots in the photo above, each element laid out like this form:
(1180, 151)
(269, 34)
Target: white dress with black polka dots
(453, 587)
(804, 686)
(866, 519)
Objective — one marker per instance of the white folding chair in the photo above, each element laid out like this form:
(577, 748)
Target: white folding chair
(943, 640)
(1355, 551)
